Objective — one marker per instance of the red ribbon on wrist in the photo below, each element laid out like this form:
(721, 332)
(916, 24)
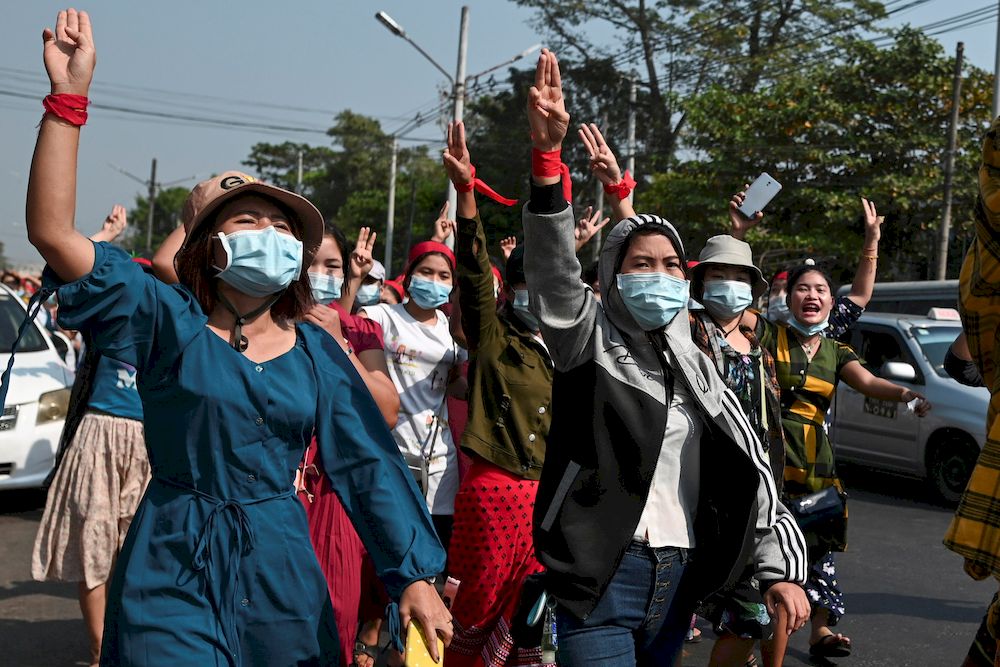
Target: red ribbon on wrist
(623, 188)
(71, 108)
(547, 165)
(482, 188)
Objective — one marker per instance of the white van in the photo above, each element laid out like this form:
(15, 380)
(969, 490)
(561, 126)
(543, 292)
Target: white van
(910, 298)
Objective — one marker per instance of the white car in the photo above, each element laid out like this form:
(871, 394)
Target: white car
(35, 409)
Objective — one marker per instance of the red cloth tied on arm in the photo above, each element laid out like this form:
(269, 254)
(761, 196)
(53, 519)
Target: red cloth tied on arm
(71, 108)
(550, 164)
(623, 188)
(482, 188)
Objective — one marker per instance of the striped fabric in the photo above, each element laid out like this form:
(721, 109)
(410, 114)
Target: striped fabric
(807, 388)
(975, 530)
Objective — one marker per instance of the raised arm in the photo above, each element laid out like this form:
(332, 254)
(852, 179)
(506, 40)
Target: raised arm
(739, 224)
(163, 259)
(588, 226)
(358, 267)
(444, 226)
(604, 164)
(475, 277)
(113, 227)
(864, 277)
(560, 301)
(69, 57)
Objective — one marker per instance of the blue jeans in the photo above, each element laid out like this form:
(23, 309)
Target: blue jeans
(640, 619)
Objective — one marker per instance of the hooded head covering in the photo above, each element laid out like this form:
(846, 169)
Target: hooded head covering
(609, 265)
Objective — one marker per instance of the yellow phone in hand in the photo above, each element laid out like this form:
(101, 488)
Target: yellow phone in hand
(416, 653)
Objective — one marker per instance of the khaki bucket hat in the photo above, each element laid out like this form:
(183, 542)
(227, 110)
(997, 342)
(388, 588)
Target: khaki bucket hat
(208, 196)
(725, 249)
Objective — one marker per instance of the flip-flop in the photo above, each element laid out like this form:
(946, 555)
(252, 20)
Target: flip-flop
(831, 646)
(360, 648)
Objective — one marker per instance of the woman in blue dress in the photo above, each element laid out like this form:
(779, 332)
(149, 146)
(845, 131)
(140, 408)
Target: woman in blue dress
(217, 568)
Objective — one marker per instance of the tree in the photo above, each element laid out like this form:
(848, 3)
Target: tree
(681, 47)
(873, 123)
(348, 181)
(166, 218)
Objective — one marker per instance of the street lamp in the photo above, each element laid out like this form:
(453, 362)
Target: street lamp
(458, 84)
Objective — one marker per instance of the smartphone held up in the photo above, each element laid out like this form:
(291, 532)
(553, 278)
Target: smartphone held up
(759, 194)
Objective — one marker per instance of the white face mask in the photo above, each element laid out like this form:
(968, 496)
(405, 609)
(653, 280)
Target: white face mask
(260, 262)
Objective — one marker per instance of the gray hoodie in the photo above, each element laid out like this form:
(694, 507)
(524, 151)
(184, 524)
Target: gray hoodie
(609, 416)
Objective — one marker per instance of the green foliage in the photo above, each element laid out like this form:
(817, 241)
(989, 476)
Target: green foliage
(166, 218)
(349, 180)
(873, 123)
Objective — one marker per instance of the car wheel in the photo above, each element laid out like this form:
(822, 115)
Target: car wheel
(951, 467)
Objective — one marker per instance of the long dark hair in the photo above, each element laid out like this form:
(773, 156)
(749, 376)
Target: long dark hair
(194, 270)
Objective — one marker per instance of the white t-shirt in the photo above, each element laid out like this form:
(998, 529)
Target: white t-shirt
(420, 358)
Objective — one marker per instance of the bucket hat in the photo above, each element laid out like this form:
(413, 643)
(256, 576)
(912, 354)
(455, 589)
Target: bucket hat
(208, 196)
(725, 249)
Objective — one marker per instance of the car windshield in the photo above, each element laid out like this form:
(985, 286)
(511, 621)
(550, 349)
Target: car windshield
(11, 316)
(934, 342)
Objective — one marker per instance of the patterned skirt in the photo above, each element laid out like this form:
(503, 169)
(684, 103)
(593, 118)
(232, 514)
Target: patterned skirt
(91, 502)
(491, 554)
(973, 532)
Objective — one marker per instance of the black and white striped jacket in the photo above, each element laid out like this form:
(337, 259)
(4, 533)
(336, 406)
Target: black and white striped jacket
(609, 411)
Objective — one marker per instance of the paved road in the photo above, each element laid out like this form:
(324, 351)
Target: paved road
(909, 604)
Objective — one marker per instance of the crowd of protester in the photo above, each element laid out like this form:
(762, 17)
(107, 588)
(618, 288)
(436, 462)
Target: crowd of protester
(277, 454)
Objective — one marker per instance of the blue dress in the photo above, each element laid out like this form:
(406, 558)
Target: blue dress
(217, 568)
(114, 390)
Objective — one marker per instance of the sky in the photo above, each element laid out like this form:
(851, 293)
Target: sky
(293, 64)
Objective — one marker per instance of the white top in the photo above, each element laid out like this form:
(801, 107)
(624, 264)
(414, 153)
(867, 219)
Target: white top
(668, 518)
(420, 358)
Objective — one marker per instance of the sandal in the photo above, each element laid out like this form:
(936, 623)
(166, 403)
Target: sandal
(693, 636)
(751, 662)
(831, 646)
(363, 649)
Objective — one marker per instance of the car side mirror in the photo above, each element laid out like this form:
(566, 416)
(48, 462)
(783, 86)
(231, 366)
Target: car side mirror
(899, 371)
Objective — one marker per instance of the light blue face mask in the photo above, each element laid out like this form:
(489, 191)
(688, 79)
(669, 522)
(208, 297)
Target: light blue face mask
(368, 295)
(520, 306)
(727, 298)
(777, 309)
(260, 262)
(810, 329)
(325, 288)
(653, 299)
(428, 294)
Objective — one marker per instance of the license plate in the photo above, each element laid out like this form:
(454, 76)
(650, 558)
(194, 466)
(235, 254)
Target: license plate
(886, 409)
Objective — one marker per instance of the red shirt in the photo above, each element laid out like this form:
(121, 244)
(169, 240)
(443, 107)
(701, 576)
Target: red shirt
(362, 333)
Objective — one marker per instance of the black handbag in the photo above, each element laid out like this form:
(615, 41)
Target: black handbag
(820, 507)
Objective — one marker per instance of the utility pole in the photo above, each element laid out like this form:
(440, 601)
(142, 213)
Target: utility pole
(595, 247)
(996, 77)
(459, 108)
(391, 214)
(949, 167)
(630, 163)
(298, 183)
(152, 207)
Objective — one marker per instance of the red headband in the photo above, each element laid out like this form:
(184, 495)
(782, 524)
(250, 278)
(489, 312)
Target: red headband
(426, 247)
(781, 275)
(395, 286)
